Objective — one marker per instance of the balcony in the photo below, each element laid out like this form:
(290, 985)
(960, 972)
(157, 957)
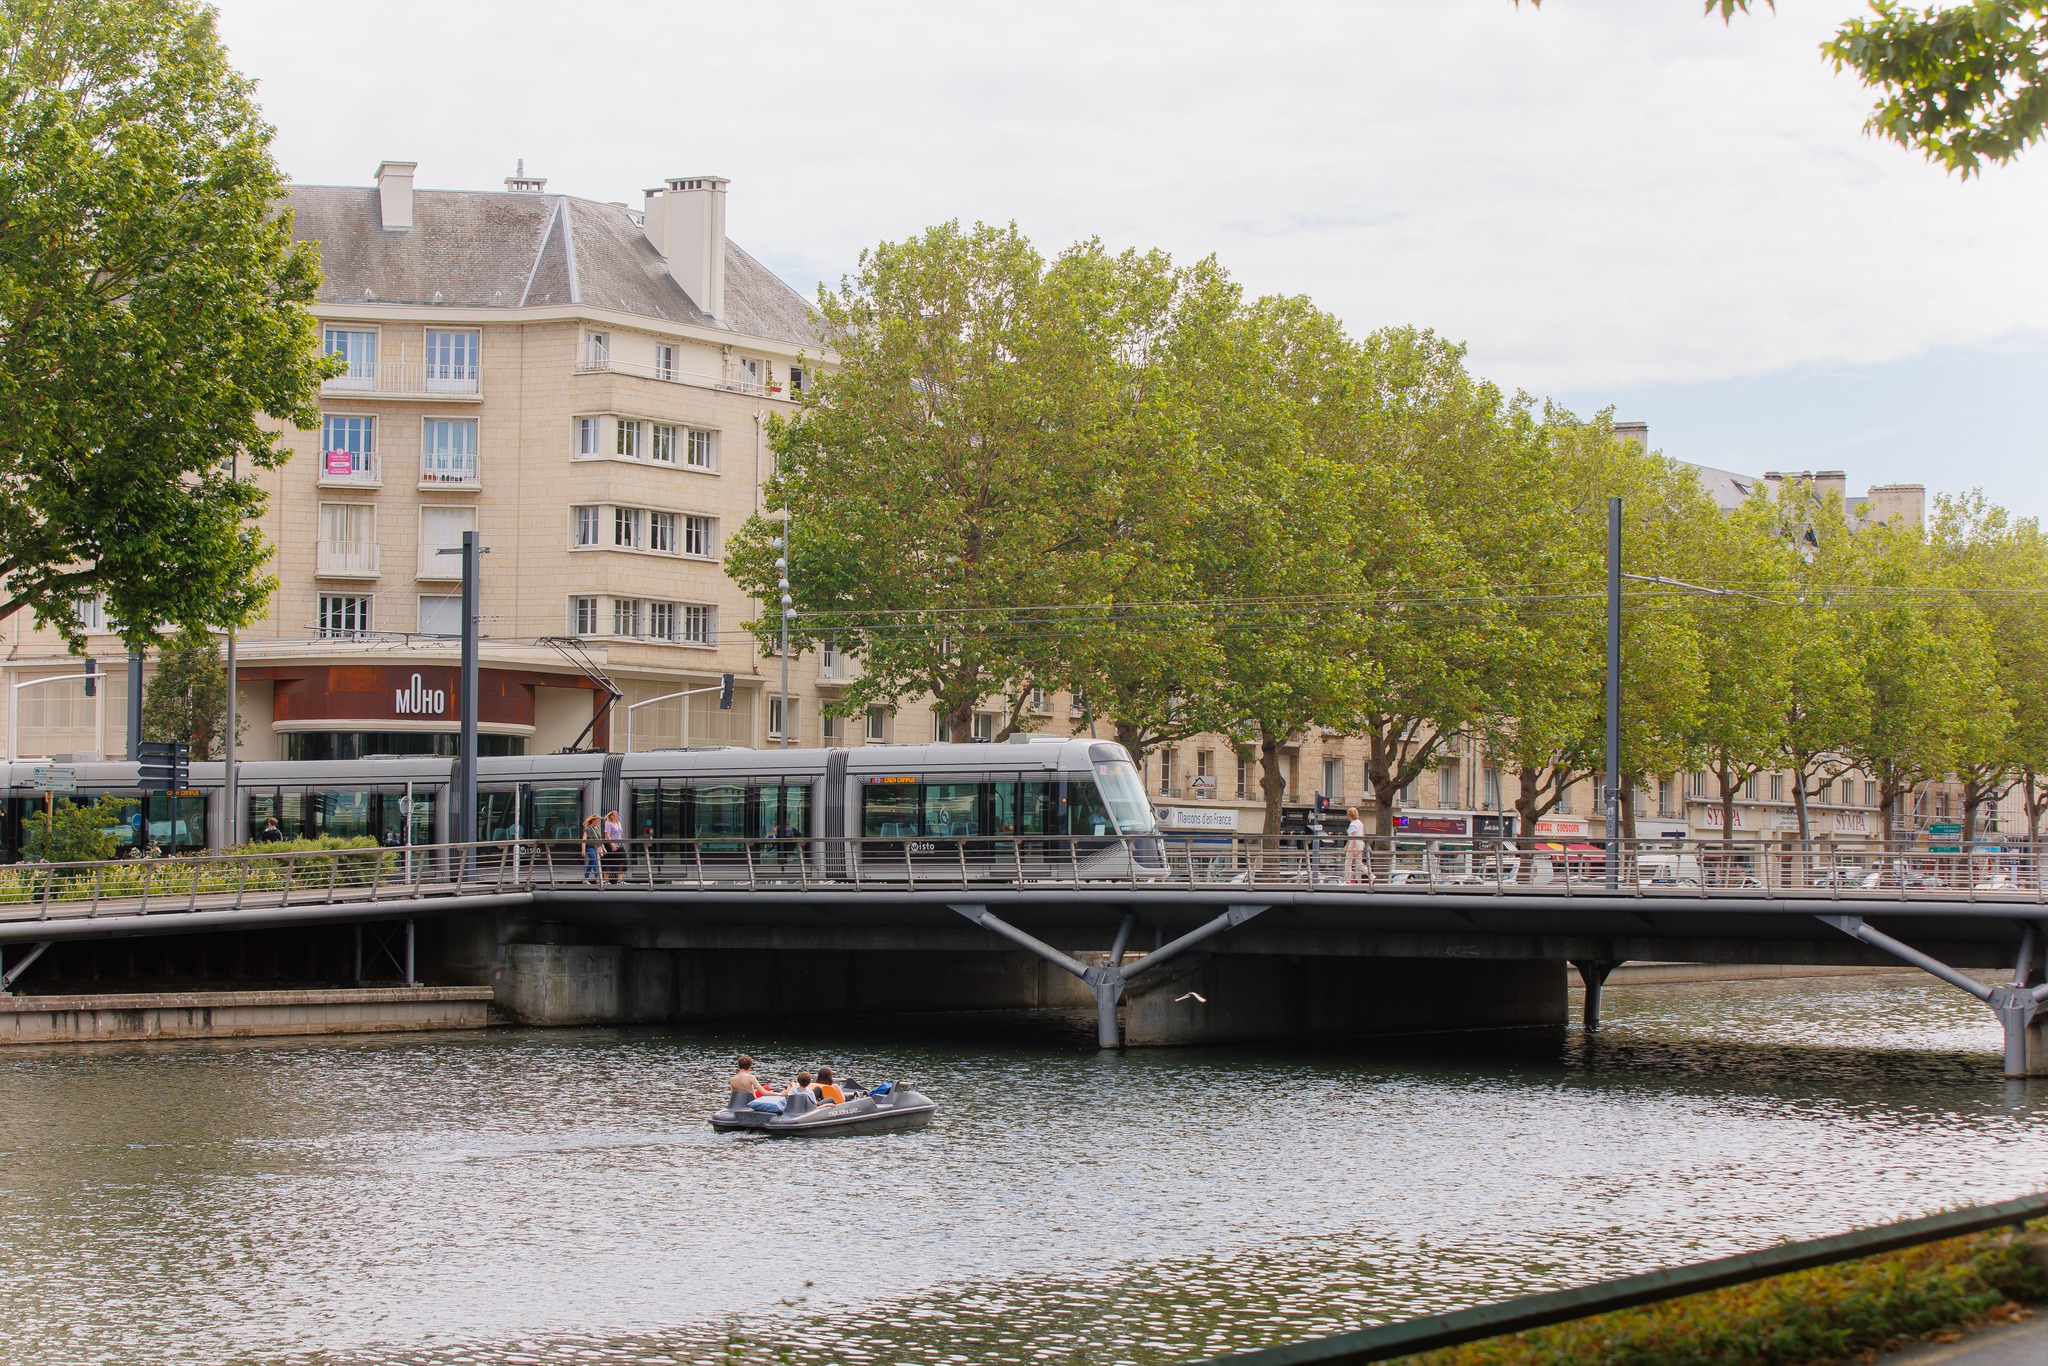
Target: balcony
(346, 560)
(409, 379)
(350, 470)
(438, 472)
(738, 384)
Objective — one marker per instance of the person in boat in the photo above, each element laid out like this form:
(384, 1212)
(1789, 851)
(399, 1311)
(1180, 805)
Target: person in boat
(802, 1083)
(745, 1080)
(827, 1092)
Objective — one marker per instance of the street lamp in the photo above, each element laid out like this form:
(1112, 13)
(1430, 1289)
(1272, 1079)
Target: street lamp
(723, 688)
(14, 706)
(781, 544)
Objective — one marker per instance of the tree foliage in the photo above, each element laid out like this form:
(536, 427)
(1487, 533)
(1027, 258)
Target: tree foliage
(152, 314)
(187, 697)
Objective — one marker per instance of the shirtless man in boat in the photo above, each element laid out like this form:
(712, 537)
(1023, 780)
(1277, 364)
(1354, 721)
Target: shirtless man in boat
(745, 1080)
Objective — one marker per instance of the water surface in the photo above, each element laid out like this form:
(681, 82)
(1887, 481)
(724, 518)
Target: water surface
(556, 1196)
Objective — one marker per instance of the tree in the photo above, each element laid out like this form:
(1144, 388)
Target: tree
(152, 315)
(73, 832)
(1826, 701)
(187, 698)
(953, 480)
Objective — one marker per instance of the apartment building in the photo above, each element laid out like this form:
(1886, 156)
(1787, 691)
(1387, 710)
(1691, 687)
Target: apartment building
(585, 385)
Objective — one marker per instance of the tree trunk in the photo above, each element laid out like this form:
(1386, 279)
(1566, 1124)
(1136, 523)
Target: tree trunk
(1887, 800)
(1724, 778)
(1131, 738)
(1799, 776)
(1272, 783)
(1527, 806)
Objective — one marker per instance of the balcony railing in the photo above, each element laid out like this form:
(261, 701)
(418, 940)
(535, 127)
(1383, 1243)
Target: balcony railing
(409, 379)
(347, 560)
(604, 365)
(349, 467)
(437, 472)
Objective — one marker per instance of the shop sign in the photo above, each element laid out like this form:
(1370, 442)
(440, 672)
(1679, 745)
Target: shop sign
(417, 699)
(1713, 818)
(1432, 825)
(1851, 823)
(1196, 818)
(1202, 785)
(1785, 820)
(1560, 827)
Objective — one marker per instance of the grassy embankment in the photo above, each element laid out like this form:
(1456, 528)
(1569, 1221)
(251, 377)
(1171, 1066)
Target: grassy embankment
(1848, 1312)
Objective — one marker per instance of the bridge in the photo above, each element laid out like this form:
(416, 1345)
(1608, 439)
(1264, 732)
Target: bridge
(1248, 937)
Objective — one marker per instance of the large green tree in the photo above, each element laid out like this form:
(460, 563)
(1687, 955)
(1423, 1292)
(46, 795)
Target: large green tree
(152, 317)
(187, 697)
(951, 485)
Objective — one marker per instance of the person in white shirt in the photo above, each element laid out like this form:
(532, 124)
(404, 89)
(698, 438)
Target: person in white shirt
(1354, 847)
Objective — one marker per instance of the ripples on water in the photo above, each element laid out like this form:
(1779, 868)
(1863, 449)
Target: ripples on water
(554, 1196)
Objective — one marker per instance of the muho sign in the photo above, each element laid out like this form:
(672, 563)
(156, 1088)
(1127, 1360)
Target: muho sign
(421, 700)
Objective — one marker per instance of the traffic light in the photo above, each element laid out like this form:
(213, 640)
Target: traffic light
(92, 678)
(163, 766)
(725, 692)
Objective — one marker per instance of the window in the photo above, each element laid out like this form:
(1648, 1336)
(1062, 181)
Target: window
(985, 726)
(878, 724)
(588, 521)
(1039, 702)
(589, 436)
(1450, 785)
(348, 538)
(1333, 779)
(1203, 759)
(1696, 785)
(664, 361)
(451, 362)
(832, 728)
(1564, 802)
(583, 616)
(627, 445)
(941, 732)
(749, 370)
(700, 449)
(697, 536)
(1825, 794)
(775, 715)
(440, 614)
(625, 616)
(661, 532)
(1869, 792)
(344, 616)
(664, 449)
(354, 437)
(1166, 772)
(597, 348)
(1749, 788)
(441, 528)
(797, 379)
(91, 612)
(1244, 779)
(359, 350)
(1489, 783)
(699, 624)
(1667, 798)
(1411, 795)
(448, 451)
(661, 620)
(626, 528)
(1777, 787)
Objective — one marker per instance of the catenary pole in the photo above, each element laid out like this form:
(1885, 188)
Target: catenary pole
(134, 705)
(465, 831)
(1613, 693)
(788, 610)
(228, 743)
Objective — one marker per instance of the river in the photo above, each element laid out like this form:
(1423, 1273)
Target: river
(555, 1196)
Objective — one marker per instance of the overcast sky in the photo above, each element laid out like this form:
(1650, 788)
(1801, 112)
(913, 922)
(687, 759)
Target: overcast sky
(1610, 201)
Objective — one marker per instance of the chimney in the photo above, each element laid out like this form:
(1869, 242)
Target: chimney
(519, 182)
(1638, 432)
(685, 220)
(394, 193)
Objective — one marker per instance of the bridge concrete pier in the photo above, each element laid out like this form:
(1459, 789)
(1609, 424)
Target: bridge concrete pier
(1258, 998)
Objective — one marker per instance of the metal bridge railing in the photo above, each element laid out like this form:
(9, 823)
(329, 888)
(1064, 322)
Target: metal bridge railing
(1864, 874)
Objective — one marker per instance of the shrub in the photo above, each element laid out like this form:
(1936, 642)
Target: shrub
(78, 833)
(1807, 1317)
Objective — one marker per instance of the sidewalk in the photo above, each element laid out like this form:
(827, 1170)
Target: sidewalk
(2007, 1344)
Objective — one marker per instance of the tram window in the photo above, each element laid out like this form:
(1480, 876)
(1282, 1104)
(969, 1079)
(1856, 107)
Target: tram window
(890, 813)
(721, 811)
(497, 814)
(1086, 815)
(661, 812)
(777, 806)
(391, 818)
(342, 815)
(175, 823)
(949, 809)
(557, 813)
(262, 806)
(291, 815)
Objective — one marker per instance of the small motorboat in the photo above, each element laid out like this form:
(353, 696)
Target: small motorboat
(888, 1107)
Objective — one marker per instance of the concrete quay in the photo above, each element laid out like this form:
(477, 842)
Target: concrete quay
(131, 1017)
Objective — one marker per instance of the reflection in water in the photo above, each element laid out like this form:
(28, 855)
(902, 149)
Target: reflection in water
(556, 1195)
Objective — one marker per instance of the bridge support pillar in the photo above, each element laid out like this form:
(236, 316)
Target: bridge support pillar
(1593, 973)
(1250, 998)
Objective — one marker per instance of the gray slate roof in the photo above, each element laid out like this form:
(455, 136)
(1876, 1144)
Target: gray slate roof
(488, 249)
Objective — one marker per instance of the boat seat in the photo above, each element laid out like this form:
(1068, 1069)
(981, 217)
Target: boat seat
(800, 1103)
(740, 1101)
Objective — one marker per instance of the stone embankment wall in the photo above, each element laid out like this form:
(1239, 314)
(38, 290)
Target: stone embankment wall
(138, 1016)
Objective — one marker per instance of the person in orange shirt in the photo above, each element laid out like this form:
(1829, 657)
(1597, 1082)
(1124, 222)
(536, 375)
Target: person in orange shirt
(827, 1092)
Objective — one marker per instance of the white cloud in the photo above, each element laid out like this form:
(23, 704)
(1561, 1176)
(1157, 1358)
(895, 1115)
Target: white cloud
(1594, 195)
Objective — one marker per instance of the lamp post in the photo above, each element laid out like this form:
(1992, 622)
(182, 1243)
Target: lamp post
(723, 688)
(1613, 693)
(781, 544)
(465, 787)
(14, 707)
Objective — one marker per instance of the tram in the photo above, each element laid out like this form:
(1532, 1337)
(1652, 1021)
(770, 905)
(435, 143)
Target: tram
(1074, 804)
